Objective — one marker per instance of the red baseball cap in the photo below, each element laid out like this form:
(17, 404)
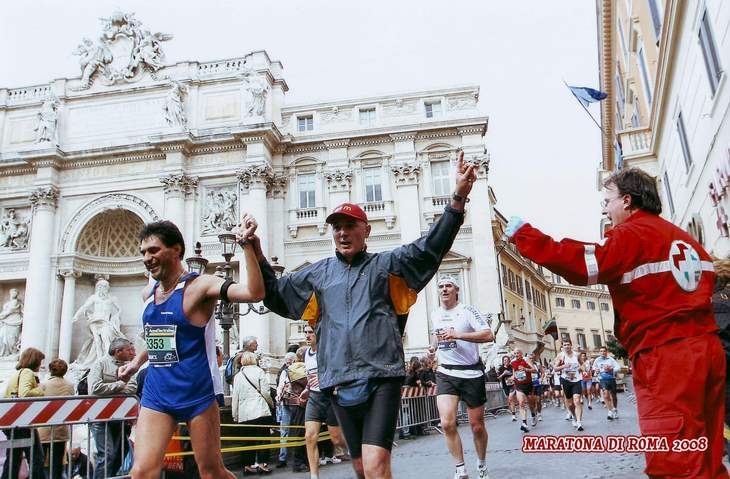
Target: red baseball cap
(347, 209)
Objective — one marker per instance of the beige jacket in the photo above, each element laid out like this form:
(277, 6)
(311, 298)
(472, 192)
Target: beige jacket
(247, 403)
(55, 386)
(23, 383)
(104, 381)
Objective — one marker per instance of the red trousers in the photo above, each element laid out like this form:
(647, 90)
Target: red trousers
(680, 390)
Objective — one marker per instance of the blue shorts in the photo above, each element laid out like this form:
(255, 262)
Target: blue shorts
(586, 384)
(182, 414)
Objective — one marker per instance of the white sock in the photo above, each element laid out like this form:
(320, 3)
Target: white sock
(481, 463)
(460, 468)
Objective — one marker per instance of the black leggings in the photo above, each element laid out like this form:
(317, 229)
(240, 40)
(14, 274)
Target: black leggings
(260, 456)
(372, 422)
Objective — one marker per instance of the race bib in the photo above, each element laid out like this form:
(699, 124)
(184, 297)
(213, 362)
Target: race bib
(520, 375)
(161, 344)
(444, 345)
(570, 375)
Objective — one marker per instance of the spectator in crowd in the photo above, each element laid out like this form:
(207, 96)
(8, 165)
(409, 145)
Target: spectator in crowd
(24, 383)
(413, 376)
(251, 404)
(104, 381)
(54, 439)
(293, 396)
(282, 410)
(428, 377)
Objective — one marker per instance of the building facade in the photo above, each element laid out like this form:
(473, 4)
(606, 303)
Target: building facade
(84, 162)
(664, 65)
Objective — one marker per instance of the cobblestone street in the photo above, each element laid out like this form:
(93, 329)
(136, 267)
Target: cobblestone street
(427, 457)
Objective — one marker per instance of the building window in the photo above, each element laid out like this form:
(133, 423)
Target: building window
(373, 184)
(668, 191)
(604, 307)
(305, 186)
(622, 37)
(645, 75)
(528, 290)
(433, 109)
(696, 230)
(560, 302)
(575, 303)
(621, 99)
(367, 117)
(440, 171)
(512, 280)
(520, 286)
(709, 53)
(591, 305)
(565, 337)
(504, 275)
(684, 142)
(305, 123)
(597, 342)
(582, 341)
(557, 279)
(656, 18)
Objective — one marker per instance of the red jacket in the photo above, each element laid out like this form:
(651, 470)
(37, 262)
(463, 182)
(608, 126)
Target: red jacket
(660, 278)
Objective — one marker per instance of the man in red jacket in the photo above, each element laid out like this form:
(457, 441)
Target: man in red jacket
(660, 281)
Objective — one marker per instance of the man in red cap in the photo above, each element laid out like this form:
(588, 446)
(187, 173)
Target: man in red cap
(357, 302)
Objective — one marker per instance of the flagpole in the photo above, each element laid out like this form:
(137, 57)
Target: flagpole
(613, 143)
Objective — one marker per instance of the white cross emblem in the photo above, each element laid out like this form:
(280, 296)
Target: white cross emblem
(685, 265)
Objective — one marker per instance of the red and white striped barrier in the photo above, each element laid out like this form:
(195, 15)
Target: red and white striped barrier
(411, 392)
(74, 409)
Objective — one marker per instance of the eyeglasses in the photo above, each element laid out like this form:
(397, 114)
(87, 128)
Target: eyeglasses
(607, 201)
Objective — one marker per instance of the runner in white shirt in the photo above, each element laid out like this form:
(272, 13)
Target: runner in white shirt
(567, 363)
(457, 332)
(607, 367)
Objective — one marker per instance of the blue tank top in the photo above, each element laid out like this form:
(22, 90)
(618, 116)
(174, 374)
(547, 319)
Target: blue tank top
(179, 373)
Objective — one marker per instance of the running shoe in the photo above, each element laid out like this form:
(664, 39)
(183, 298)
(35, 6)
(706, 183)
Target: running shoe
(482, 472)
(615, 413)
(575, 423)
(589, 407)
(568, 417)
(458, 475)
(335, 460)
(539, 417)
(534, 421)
(579, 426)
(514, 418)
(524, 428)
(609, 416)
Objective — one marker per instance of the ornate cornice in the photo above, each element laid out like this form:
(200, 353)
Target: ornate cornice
(371, 140)
(472, 130)
(341, 143)
(406, 173)
(179, 183)
(306, 148)
(218, 148)
(405, 136)
(338, 180)
(67, 273)
(433, 134)
(45, 196)
(22, 170)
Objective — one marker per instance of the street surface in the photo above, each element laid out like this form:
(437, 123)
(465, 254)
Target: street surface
(426, 457)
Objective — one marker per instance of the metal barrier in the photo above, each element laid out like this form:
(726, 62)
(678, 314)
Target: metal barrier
(24, 420)
(418, 406)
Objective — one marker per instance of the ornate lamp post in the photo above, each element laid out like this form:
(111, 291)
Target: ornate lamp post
(196, 263)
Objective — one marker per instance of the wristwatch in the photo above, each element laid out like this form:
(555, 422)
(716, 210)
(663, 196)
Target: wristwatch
(458, 198)
(243, 243)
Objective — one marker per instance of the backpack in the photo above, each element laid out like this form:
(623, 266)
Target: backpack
(82, 388)
(233, 365)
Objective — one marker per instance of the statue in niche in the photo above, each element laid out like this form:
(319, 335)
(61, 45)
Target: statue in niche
(257, 89)
(13, 231)
(102, 313)
(175, 106)
(47, 121)
(11, 319)
(221, 212)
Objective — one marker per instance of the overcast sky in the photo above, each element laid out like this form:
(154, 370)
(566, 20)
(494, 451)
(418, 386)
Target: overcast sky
(544, 149)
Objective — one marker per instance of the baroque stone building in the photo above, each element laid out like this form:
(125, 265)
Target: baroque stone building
(84, 162)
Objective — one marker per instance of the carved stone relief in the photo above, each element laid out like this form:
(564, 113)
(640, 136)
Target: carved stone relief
(219, 211)
(338, 180)
(14, 229)
(462, 102)
(11, 320)
(45, 196)
(174, 109)
(46, 129)
(335, 115)
(256, 89)
(179, 184)
(406, 173)
(399, 108)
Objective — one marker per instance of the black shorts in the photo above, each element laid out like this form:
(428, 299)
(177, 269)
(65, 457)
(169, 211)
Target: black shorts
(536, 389)
(319, 409)
(507, 389)
(525, 389)
(372, 422)
(571, 389)
(557, 387)
(609, 385)
(472, 391)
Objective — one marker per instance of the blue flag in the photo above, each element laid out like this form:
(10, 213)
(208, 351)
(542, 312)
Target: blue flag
(587, 95)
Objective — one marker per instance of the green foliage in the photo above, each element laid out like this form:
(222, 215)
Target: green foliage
(616, 348)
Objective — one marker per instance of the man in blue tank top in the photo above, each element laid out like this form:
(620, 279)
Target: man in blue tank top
(180, 344)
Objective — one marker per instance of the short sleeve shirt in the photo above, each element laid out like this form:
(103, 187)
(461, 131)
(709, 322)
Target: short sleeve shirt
(464, 319)
(522, 376)
(310, 364)
(601, 364)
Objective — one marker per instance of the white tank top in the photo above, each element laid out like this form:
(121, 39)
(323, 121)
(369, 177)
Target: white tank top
(570, 372)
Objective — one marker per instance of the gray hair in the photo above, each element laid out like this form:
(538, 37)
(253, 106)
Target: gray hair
(291, 356)
(246, 342)
(118, 344)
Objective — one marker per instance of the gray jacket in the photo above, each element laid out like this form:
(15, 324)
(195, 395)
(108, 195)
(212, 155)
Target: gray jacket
(103, 379)
(359, 310)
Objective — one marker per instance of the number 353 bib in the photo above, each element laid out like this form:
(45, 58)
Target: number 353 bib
(161, 344)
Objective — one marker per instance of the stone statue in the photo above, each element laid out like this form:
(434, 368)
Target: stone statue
(149, 51)
(257, 89)
(11, 319)
(175, 106)
(93, 57)
(220, 212)
(13, 231)
(102, 313)
(47, 121)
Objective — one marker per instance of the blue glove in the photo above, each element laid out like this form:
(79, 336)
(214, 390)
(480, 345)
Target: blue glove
(514, 224)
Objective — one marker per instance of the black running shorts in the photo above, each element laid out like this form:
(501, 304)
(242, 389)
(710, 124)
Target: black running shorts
(472, 391)
(319, 409)
(571, 388)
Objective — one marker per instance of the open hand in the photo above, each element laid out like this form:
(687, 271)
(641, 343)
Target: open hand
(466, 175)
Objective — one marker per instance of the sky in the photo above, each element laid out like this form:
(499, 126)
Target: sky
(544, 149)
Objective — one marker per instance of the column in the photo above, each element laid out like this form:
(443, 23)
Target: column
(409, 218)
(177, 186)
(38, 281)
(68, 308)
(255, 180)
(339, 182)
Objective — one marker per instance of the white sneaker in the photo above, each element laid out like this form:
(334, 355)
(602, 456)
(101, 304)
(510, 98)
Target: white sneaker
(575, 423)
(514, 418)
(323, 461)
(524, 428)
(458, 475)
(534, 421)
(539, 417)
(579, 426)
(482, 472)
(335, 460)
(568, 417)
(615, 413)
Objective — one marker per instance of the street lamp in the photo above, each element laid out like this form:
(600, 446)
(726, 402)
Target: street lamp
(196, 263)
